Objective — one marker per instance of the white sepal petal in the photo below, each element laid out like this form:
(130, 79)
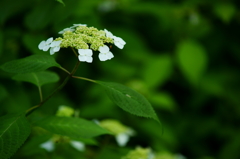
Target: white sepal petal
(122, 139)
(119, 42)
(77, 145)
(85, 55)
(108, 34)
(48, 145)
(104, 49)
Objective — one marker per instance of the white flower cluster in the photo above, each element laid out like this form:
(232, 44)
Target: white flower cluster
(85, 54)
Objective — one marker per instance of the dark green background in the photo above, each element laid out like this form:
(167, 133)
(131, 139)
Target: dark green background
(182, 55)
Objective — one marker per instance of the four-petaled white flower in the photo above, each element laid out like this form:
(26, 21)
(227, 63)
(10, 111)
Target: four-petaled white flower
(45, 45)
(85, 55)
(119, 42)
(66, 29)
(105, 54)
(55, 47)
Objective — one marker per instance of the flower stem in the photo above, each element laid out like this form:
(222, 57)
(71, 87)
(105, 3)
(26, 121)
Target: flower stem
(83, 78)
(65, 70)
(29, 111)
(74, 52)
(40, 93)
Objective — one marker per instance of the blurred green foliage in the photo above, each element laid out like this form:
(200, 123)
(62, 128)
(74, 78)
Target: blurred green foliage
(182, 55)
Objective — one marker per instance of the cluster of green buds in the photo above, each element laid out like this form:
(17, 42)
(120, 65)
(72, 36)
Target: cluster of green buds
(49, 145)
(140, 153)
(85, 40)
(121, 132)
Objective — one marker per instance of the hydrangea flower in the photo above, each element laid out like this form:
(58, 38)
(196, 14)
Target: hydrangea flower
(85, 55)
(105, 53)
(66, 29)
(85, 40)
(122, 133)
(63, 111)
(140, 153)
(45, 45)
(55, 47)
(119, 42)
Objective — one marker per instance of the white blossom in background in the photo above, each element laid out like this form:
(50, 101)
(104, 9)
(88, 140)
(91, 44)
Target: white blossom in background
(107, 6)
(121, 132)
(77, 145)
(45, 45)
(105, 53)
(123, 138)
(48, 145)
(85, 55)
(66, 29)
(55, 47)
(140, 153)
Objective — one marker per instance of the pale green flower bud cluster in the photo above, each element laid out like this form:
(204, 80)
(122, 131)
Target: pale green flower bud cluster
(121, 132)
(84, 38)
(140, 153)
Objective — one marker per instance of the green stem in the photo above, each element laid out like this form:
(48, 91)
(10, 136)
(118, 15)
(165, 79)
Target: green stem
(40, 93)
(74, 52)
(29, 111)
(83, 78)
(65, 70)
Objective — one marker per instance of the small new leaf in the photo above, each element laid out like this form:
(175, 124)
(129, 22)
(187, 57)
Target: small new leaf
(30, 64)
(38, 78)
(71, 127)
(14, 130)
(129, 100)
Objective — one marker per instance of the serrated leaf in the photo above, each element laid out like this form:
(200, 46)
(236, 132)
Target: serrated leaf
(38, 78)
(71, 127)
(129, 100)
(30, 64)
(192, 60)
(14, 130)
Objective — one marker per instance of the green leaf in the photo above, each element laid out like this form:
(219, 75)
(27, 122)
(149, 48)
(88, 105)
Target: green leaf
(192, 60)
(71, 127)
(14, 130)
(225, 11)
(129, 100)
(60, 1)
(38, 78)
(157, 70)
(30, 64)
